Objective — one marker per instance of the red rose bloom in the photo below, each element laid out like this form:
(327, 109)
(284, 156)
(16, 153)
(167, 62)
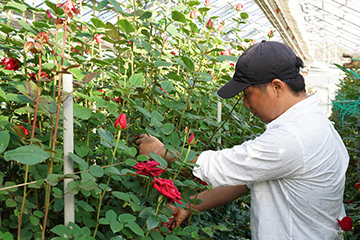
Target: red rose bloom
(10, 64)
(149, 168)
(191, 139)
(121, 120)
(167, 188)
(357, 185)
(225, 52)
(345, 223)
(98, 38)
(24, 129)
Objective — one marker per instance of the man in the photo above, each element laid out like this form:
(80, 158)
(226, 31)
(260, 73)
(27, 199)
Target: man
(295, 169)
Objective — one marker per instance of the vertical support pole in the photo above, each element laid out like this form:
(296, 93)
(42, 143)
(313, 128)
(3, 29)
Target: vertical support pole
(69, 210)
(219, 118)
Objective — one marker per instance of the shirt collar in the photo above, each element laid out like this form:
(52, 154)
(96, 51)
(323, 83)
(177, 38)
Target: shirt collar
(300, 108)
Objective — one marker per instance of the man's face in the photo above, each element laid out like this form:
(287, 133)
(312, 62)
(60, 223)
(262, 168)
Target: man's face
(261, 102)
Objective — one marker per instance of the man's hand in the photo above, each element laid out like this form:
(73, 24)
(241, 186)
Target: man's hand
(147, 143)
(179, 216)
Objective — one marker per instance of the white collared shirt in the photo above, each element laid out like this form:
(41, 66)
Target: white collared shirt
(296, 172)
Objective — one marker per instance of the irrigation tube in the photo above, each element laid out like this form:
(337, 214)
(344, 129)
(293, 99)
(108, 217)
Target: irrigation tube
(69, 211)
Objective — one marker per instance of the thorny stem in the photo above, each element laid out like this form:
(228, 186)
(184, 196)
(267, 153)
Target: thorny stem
(48, 187)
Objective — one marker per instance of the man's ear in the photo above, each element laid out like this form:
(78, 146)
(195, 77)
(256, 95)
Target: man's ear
(278, 86)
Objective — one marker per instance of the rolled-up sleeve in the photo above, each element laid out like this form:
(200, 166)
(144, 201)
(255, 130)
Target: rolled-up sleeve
(275, 154)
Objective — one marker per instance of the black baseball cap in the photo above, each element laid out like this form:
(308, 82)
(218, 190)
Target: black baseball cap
(262, 63)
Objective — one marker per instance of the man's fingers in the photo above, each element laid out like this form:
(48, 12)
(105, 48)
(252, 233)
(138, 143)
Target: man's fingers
(181, 216)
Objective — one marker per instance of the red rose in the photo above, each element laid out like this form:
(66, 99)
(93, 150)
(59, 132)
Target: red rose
(239, 7)
(225, 52)
(193, 14)
(10, 64)
(207, 3)
(98, 38)
(33, 76)
(203, 183)
(149, 168)
(191, 139)
(357, 185)
(209, 24)
(24, 129)
(345, 223)
(121, 121)
(167, 188)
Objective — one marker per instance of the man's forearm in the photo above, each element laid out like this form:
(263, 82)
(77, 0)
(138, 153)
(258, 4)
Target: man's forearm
(216, 197)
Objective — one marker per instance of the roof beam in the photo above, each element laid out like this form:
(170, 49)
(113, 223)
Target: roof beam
(291, 36)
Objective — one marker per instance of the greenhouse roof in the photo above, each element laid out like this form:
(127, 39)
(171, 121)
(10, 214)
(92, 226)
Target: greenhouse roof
(304, 25)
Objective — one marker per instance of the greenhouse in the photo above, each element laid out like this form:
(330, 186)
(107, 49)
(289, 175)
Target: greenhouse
(154, 119)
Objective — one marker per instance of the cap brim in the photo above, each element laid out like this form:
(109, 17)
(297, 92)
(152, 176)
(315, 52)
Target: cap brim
(232, 88)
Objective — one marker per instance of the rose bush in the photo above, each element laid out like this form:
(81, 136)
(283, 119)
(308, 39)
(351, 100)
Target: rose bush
(126, 82)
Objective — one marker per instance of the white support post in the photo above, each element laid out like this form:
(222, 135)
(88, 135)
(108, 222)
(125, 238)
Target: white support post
(219, 118)
(69, 210)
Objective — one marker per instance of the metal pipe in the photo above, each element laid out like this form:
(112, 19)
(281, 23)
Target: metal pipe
(69, 210)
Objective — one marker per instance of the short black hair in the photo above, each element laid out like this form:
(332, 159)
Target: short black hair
(296, 85)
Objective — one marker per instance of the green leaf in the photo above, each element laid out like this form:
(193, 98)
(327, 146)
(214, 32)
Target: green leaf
(143, 111)
(84, 205)
(172, 30)
(167, 86)
(157, 115)
(135, 228)
(81, 112)
(156, 235)
(131, 162)
(97, 23)
(178, 16)
(203, 10)
(6, 29)
(188, 62)
(142, 158)
(111, 31)
(152, 222)
(158, 159)
(161, 63)
(193, 3)
(111, 215)
(221, 58)
(34, 220)
(116, 226)
(10, 203)
(112, 170)
(30, 154)
(62, 231)
(121, 195)
(146, 46)
(116, 6)
(96, 171)
(106, 135)
(8, 236)
(136, 80)
(244, 15)
(126, 26)
(126, 217)
(87, 184)
(4, 140)
(80, 161)
(167, 128)
(90, 76)
(26, 26)
(172, 237)
(220, 227)
(193, 27)
(15, 6)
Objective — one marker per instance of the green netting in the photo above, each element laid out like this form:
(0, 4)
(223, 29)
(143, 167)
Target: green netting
(346, 107)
